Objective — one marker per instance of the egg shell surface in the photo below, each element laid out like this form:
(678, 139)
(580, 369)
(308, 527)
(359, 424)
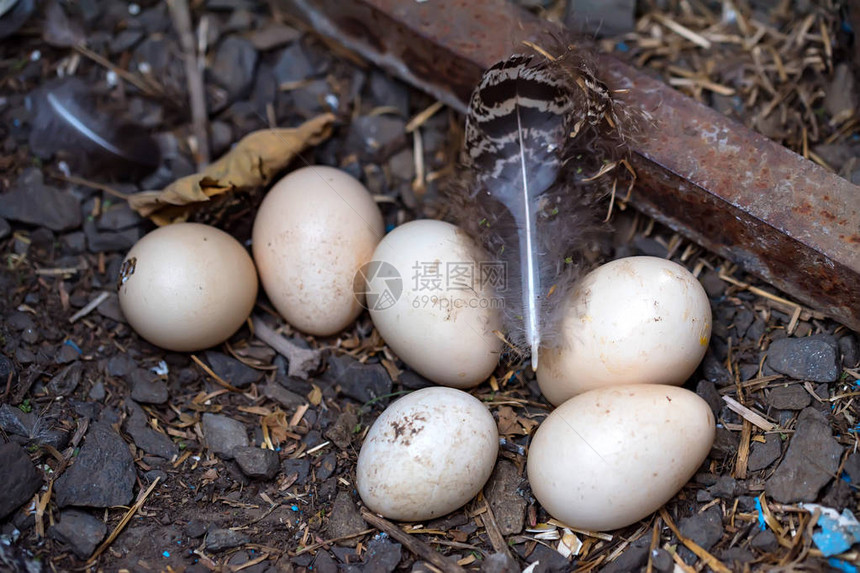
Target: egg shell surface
(441, 323)
(427, 454)
(637, 320)
(313, 231)
(609, 457)
(187, 286)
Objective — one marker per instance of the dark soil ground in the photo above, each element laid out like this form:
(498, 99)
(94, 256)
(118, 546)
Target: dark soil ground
(101, 432)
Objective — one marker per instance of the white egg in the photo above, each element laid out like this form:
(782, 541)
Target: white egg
(313, 231)
(638, 320)
(187, 286)
(609, 457)
(430, 303)
(427, 454)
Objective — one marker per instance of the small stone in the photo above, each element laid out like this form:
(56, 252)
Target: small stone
(342, 431)
(736, 557)
(765, 541)
(725, 444)
(707, 390)
(231, 370)
(840, 98)
(67, 379)
(110, 308)
(5, 228)
(256, 462)
(195, 528)
(324, 563)
(301, 467)
(632, 558)
(19, 478)
(327, 465)
(704, 528)
(498, 563)
(382, 556)
(147, 387)
(726, 487)
(509, 507)
(852, 468)
(361, 382)
(370, 133)
(110, 241)
(762, 454)
(125, 40)
(220, 539)
(850, 352)
(789, 397)
(273, 35)
(234, 65)
(120, 365)
(31, 201)
(7, 371)
(274, 391)
(102, 475)
(662, 561)
(222, 434)
(814, 358)
(293, 65)
(812, 458)
(117, 217)
(549, 560)
(81, 531)
(145, 437)
(345, 520)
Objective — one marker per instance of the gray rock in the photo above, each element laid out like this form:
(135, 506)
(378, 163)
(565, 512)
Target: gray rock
(765, 541)
(79, 530)
(847, 347)
(840, 96)
(102, 474)
(762, 454)
(632, 558)
(234, 65)
(726, 487)
(147, 387)
(118, 217)
(704, 528)
(508, 505)
(110, 241)
(120, 365)
(293, 65)
(301, 467)
(220, 539)
(736, 557)
(256, 462)
(600, 17)
(125, 40)
(814, 358)
(345, 520)
(662, 561)
(361, 382)
(284, 397)
(852, 467)
(5, 228)
(707, 390)
(31, 201)
(223, 434)
(550, 560)
(324, 563)
(231, 370)
(273, 35)
(370, 133)
(812, 458)
(195, 528)
(67, 379)
(19, 478)
(146, 438)
(499, 563)
(326, 467)
(97, 392)
(7, 371)
(110, 308)
(789, 397)
(342, 431)
(382, 556)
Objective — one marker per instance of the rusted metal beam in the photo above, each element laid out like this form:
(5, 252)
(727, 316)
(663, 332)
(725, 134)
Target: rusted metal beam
(777, 215)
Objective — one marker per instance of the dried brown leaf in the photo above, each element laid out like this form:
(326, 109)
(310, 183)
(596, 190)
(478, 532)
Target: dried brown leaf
(253, 162)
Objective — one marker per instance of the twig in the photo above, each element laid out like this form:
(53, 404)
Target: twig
(124, 74)
(416, 546)
(194, 73)
(91, 184)
(301, 360)
(493, 531)
(123, 522)
(749, 415)
(89, 307)
(328, 542)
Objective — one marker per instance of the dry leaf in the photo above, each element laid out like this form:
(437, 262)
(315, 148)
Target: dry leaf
(512, 424)
(253, 162)
(315, 395)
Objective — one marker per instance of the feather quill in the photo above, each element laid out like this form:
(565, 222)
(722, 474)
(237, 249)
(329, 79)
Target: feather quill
(538, 132)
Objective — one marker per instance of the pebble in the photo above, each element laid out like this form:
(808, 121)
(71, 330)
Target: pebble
(120, 365)
(293, 65)
(494, 563)
(31, 201)
(345, 520)
(762, 454)
(195, 528)
(125, 40)
(848, 347)
(852, 468)
(102, 474)
(327, 465)
(67, 379)
(814, 358)
(707, 390)
(5, 228)
(231, 370)
(501, 491)
(288, 399)
(19, 478)
(789, 397)
(370, 133)
(7, 371)
(324, 563)
(840, 97)
(662, 561)
(81, 531)
(342, 431)
(110, 241)
(361, 382)
(273, 35)
(736, 557)
(223, 434)
(765, 541)
(234, 65)
(145, 437)
(301, 467)
(147, 388)
(256, 462)
(726, 487)
(812, 458)
(220, 539)
(548, 560)
(382, 555)
(705, 528)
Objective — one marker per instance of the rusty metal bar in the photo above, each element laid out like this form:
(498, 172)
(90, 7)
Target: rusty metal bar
(777, 215)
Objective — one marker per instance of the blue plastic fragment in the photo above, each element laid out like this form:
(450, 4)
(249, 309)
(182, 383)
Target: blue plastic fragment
(837, 533)
(842, 565)
(761, 523)
(166, 553)
(71, 343)
(622, 47)
(294, 507)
